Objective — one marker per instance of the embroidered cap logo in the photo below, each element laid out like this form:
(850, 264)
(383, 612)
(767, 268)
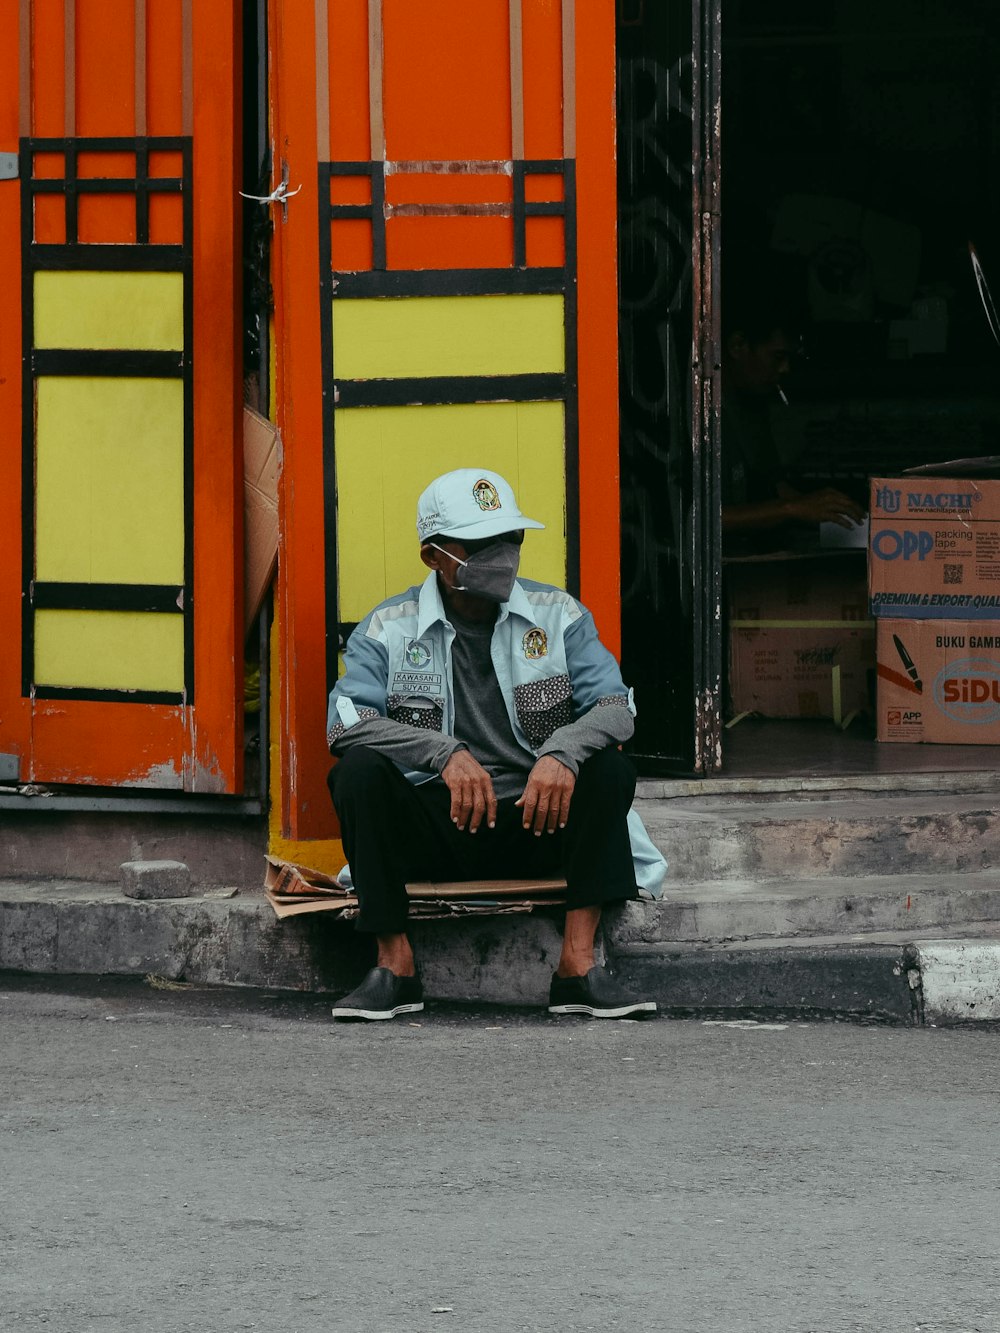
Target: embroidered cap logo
(485, 495)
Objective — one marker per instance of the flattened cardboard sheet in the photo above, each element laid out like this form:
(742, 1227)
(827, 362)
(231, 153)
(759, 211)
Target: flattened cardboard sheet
(294, 890)
(261, 468)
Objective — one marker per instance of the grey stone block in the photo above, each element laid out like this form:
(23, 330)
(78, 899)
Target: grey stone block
(155, 879)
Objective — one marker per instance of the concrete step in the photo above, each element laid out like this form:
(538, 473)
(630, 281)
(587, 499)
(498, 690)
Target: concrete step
(743, 837)
(984, 780)
(721, 910)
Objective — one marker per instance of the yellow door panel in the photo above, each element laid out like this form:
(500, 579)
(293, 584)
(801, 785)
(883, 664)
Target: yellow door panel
(110, 480)
(109, 650)
(387, 455)
(133, 311)
(448, 335)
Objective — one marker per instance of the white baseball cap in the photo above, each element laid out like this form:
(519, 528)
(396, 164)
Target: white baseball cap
(470, 503)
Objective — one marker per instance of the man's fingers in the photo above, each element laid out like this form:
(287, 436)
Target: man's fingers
(555, 806)
(541, 811)
(567, 796)
(546, 797)
(464, 804)
(474, 801)
(478, 807)
(848, 518)
(471, 790)
(527, 803)
(541, 808)
(829, 506)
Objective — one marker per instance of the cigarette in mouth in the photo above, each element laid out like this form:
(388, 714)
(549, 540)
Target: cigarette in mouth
(781, 395)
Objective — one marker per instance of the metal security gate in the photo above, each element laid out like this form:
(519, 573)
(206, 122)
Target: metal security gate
(669, 59)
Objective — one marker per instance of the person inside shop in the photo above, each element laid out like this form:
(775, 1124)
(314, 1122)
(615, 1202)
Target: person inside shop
(761, 509)
(477, 727)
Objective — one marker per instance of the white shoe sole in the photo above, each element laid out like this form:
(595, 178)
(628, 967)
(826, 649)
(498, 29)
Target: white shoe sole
(376, 1015)
(642, 1007)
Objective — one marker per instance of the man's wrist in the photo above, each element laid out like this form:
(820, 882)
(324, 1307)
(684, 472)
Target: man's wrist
(565, 759)
(443, 760)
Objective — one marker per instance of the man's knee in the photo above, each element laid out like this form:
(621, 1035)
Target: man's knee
(360, 773)
(611, 772)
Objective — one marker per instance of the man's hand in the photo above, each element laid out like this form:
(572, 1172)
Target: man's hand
(471, 790)
(825, 506)
(546, 796)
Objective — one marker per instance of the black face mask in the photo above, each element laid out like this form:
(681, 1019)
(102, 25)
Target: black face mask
(490, 572)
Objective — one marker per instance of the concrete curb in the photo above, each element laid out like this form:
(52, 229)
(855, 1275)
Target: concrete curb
(955, 981)
(219, 939)
(845, 978)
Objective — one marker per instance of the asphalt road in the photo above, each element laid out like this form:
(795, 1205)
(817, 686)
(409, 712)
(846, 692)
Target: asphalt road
(191, 1161)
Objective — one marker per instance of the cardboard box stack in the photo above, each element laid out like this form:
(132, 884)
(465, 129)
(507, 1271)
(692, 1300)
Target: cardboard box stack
(934, 577)
(801, 641)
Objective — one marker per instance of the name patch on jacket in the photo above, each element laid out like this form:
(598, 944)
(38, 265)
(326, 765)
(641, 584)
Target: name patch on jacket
(415, 682)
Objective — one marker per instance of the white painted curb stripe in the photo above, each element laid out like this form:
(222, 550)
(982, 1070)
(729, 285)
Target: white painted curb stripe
(960, 979)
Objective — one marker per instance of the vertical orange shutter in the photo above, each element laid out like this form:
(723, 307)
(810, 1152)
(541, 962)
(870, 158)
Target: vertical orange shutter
(457, 219)
(127, 641)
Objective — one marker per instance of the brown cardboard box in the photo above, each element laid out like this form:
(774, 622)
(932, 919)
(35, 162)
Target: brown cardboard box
(827, 586)
(801, 644)
(793, 672)
(261, 468)
(939, 681)
(934, 551)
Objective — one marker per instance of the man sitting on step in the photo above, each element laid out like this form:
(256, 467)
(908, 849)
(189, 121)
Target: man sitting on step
(478, 724)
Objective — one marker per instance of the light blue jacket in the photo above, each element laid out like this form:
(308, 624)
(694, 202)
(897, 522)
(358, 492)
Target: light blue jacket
(550, 664)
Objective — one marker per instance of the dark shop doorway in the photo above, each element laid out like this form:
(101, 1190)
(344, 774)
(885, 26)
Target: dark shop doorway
(857, 158)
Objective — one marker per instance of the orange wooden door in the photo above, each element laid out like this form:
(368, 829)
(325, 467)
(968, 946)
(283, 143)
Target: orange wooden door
(120, 532)
(445, 296)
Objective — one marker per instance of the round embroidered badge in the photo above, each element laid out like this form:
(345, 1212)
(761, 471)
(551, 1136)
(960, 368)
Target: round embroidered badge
(536, 644)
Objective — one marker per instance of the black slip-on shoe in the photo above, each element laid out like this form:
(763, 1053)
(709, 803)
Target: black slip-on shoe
(382, 995)
(597, 994)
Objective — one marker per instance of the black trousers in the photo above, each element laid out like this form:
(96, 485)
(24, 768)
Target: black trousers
(394, 832)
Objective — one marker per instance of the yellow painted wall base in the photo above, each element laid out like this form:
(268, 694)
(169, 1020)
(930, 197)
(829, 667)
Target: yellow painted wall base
(327, 854)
